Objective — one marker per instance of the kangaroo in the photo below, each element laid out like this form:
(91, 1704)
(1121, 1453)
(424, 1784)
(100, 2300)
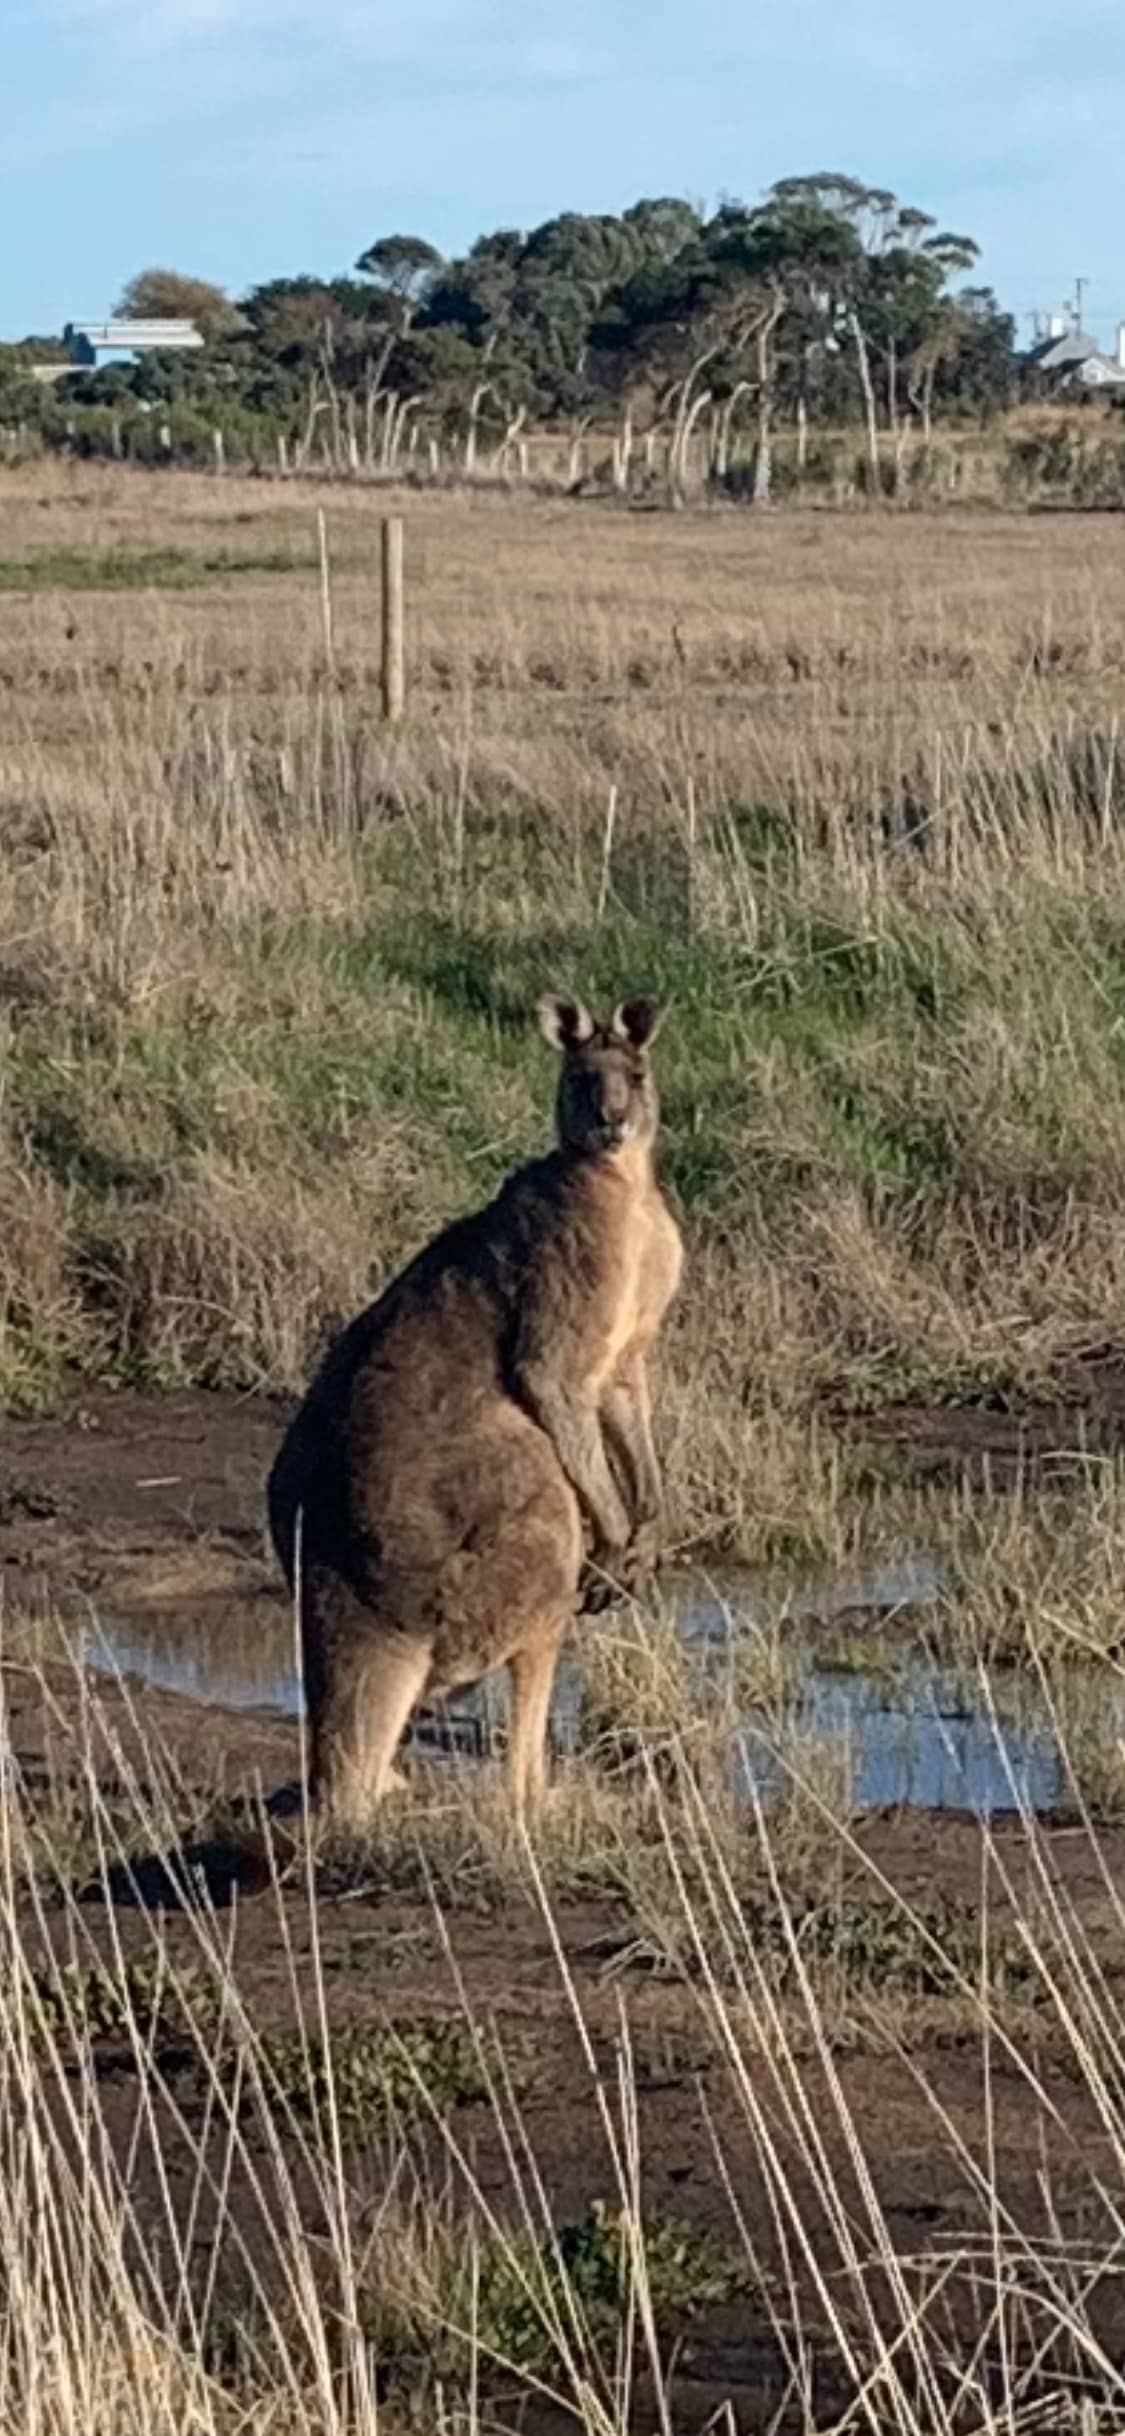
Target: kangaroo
(478, 1425)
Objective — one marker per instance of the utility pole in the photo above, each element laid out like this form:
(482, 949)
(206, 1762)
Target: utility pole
(1079, 286)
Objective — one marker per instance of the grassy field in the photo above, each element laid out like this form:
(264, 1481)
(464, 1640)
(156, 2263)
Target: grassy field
(848, 789)
(833, 2132)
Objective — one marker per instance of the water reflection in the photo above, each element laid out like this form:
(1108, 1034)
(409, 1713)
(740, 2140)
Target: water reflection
(922, 1741)
(227, 1670)
(912, 1733)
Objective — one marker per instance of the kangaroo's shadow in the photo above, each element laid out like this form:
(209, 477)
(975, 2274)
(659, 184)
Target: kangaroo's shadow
(207, 1872)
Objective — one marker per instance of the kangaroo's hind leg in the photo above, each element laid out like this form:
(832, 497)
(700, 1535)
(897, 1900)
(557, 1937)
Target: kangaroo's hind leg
(362, 1682)
(361, 1725)
(532, 1671)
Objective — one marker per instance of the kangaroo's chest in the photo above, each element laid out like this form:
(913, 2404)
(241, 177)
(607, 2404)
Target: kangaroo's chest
(659, 1268)
(645, 1275)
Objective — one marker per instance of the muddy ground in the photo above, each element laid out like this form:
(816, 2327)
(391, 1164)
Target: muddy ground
(152, 1506)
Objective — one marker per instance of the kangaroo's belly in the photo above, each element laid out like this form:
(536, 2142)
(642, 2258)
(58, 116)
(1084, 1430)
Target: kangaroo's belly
(470, 1533)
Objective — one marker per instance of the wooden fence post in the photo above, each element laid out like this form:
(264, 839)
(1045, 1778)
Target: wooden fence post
(394, 664)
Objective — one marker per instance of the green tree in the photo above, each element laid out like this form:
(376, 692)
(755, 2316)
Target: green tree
(161, 295)
(403, 270)
(826, 298)
(797, 257)
(888, 290)
(975, 367)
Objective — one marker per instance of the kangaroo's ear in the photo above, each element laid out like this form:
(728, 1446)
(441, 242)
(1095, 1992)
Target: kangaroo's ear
(637, 1020)
(564, 1022)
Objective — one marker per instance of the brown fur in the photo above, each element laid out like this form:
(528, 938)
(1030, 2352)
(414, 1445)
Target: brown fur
(466, 1425)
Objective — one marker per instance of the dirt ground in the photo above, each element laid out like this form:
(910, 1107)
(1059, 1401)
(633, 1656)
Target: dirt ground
(154, 1505)
(143, 1503)
(146, 1505)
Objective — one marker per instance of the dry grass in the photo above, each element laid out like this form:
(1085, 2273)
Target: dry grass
(262, 973)
(263, 966)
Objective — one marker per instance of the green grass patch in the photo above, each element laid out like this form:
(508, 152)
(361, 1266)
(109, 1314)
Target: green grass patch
(877, 1947)
(141, 1998)
(849, 1088)
(168, 569)
(368, 2072)
(535, 2305)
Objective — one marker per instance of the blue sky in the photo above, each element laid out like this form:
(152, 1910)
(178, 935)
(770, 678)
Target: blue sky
(242, 138)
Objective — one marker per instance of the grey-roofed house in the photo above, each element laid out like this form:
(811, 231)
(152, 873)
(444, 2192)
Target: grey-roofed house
(86, 340)
(1070, 359)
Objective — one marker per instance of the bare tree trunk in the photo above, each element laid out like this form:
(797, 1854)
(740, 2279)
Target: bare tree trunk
(901, 437)
(622, 453)
(720, 466)
(895, 420)
(333, 399)
(928, 402)
(386, 442)
(475, 403)
(763, 452)
(315, 409)
(403, 408)
(353, 435)
(713, 421)
(575, 463)
(687, 415)
(802, 436)
(698, 406)
(512, 430)
(863, 365)
(382, 360)
(370, 401)
(763, 462)
(892, 386)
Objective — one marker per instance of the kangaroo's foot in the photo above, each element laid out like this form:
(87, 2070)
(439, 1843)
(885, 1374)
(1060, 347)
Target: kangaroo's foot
(597, 1591)
(645, 1550)
(621, 1571)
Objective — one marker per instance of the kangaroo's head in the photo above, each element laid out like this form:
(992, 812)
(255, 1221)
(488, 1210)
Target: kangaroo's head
(607, 1099)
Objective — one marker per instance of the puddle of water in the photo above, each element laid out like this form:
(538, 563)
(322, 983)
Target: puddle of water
(913, 1737)
(230, 1674)
(710, 1612)
(918, 1742)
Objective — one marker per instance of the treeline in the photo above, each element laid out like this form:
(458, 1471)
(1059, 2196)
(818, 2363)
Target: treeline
(654, 346)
